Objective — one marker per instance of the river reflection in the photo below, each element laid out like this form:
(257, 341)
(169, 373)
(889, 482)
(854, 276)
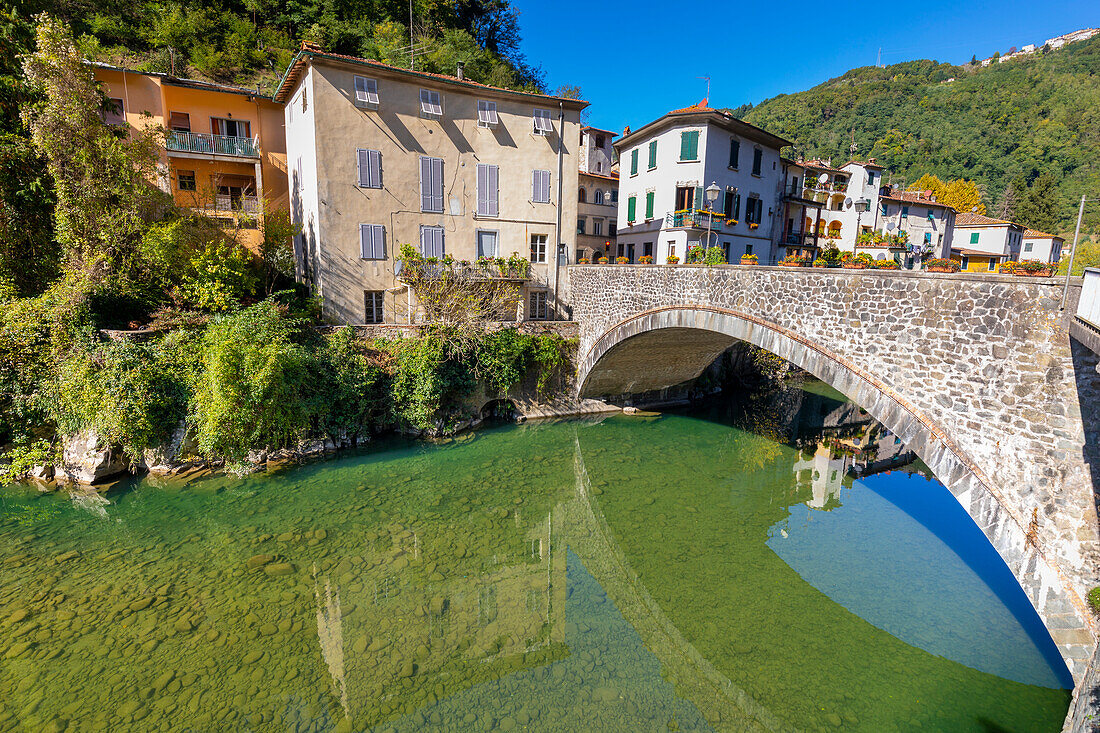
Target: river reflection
(752, 566)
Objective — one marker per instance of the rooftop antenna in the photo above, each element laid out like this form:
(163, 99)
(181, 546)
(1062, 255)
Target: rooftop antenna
(879, 63)
(412, 44)
(707, 78)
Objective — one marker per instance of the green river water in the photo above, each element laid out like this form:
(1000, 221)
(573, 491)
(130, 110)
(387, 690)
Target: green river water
(693, 571)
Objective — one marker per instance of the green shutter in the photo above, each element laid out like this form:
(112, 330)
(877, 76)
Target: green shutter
(974, 237)
(700, 203)
(689, 145)
(649, 205)
(631, 208)
(634, 162)
(653, 154)
(737, 206)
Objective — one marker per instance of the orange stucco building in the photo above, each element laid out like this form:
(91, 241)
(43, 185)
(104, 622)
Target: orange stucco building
(225, 147)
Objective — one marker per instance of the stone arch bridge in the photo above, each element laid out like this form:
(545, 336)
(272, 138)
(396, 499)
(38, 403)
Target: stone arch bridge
(978, 374)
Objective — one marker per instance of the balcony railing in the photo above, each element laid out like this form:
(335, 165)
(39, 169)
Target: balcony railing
(696, 219)
(201, 142)
(246, 204)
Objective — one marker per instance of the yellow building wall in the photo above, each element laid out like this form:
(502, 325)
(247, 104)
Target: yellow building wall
(979, 264)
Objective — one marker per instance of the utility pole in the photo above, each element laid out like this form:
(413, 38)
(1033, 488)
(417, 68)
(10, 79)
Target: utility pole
(412, 44)
(707, 79)
(879, 62)
(1073, 252)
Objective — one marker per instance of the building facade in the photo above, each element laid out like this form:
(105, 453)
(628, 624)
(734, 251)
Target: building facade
(225, 146)
(381, 156)
(982, 243)
(1041, 246)
(597, 195)
(665, 168)
(829, 207)
(913, 226)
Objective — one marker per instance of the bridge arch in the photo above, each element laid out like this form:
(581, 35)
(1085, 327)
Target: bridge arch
(664, 346)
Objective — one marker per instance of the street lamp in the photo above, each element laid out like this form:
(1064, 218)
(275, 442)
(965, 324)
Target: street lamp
(712, 196)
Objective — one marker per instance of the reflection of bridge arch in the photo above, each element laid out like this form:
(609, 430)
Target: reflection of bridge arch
(666, 346)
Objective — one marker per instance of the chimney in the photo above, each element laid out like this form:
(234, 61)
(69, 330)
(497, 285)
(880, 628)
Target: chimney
(871, 160)
(311, 46)
(626, 130)
(458, 72)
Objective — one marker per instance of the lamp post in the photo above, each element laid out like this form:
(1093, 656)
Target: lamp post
(712, 196)
(861, 205)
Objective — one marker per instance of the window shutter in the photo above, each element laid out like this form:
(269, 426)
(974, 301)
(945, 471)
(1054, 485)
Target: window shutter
(649, 205)
(653, 154)
(698, 204)
(374, 168)
(534, 185)
(737, 206)
(364, 241)
(482, 189)
(735, 152)
(974, 237)
(363, 167)
(437, 184)
(631, 208)
(634, 161)
(494, 190)
(425, 183)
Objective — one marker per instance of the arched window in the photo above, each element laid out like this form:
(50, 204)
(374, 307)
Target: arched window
(582, 197)
(598, 197)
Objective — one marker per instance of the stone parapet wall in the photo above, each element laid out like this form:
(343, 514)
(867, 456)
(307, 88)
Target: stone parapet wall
(981, 367)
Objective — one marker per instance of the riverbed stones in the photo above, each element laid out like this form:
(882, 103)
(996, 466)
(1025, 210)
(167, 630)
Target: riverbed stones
(258, 561)
(278, 569)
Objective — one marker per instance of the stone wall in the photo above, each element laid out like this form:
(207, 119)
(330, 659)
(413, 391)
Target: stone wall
(978, 370)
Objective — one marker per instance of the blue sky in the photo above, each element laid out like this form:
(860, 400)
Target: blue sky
(636, 61)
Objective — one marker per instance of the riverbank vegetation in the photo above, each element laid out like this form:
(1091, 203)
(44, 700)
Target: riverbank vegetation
(158, 323)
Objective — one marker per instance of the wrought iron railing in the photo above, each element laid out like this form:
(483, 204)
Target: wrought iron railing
(201, 142)
(696, 219)
(246, 204)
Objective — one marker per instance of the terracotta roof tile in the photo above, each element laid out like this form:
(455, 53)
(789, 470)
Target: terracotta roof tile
(915, 197)
(970, 219)
(1036, 233)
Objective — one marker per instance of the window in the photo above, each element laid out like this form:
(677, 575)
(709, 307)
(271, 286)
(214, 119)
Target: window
(748, 249)
(597, 197)
(538, 248)
(647, 249)
(371, 243)
(754, 211)
(1028, 246)
(735, 152)
(543, 122)
(614, 196)
(582, 195)
(757, 159)
(974, 237)
(671, 249)
(904, 211)
(599, 141)
(431, 184)
(634, 162)
(366, 91)
(870, 178)
(186, 180)
(597, 227)
(431, 241)
(599, 166)
(369, 164)
(689, 145)
(992, 264)
(928, 237)
(649, 205)
(373, 300)
(727, 203)
(488, 244)
(611, 228)
(487, 189)
(652, 154)
(486, 113)
(231, 128)
(430, 103)
(540, 187)
(965, 262)
(179, 122)
(631, 210)
(113, 112)
(536, 309)
(305, 99)
(580, 226)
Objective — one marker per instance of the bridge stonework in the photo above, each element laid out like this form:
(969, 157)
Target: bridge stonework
(976, 373)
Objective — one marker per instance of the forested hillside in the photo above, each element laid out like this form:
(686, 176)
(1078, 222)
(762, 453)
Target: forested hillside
(1003, 126)
(251, 42)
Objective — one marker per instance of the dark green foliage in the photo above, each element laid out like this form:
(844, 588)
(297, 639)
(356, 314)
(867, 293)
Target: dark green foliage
(427, 381)
(351, 389)
(1094, 600)
(1020, 119)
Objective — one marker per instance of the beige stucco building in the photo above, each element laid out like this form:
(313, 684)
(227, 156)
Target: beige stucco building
(381, 156)
(597, 195)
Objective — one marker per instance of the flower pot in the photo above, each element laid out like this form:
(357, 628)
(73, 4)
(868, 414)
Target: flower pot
(941, 269)
(822, 266)
(791, 264)
(745, 261)
(1035, 273)
(854, 266)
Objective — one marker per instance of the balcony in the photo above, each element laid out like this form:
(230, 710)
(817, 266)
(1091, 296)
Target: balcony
(689, 219)
(207, 144)
(243, 204)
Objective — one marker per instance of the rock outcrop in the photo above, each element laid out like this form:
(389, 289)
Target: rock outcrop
(87, 458)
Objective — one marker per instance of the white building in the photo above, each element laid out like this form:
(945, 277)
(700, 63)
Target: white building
(982, 242)
(927, 226)
(832, 206)
(1041, 246)
(1079, 35)
(666, 166)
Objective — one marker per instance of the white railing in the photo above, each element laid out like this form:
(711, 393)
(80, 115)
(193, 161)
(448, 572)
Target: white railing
(201, 142)
(1088, 307)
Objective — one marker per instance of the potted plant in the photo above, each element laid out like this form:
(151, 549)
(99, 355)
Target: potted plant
(753, 225)
(794, 261)
(749, 260)
(603, 260)
(820, 263)
(942, 264)
(1007, 267)
(672, 260)
(1033, 268)
(622, 260)
(695, 256)
(885, 265)
(583, 261)
(731, 222)
(645, 260)
(855, 262)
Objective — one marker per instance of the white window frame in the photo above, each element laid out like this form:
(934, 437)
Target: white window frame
(496, 242)
(424, 229)
(487, 113)
(597, 227)
(367, 96)
(431, 103)
(375, 242)
(368, 168)
(538, 305)
(598, 197)
(539, 244)
(543, 122)
(540, 186)
(488, 190)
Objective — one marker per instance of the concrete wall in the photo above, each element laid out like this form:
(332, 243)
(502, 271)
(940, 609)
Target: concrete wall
(977, 373)
(402, 135)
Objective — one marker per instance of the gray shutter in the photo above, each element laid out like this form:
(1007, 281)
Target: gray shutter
(379, 244)
(437, 184)
(363, 167)
(374, 169)
(494, 190)
(535, 185)
(364, 241)
(482, 189)
(425, 183)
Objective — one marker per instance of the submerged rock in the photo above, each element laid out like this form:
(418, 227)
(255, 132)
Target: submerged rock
(86, 458)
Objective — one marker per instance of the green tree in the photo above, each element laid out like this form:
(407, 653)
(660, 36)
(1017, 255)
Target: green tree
(1042, 207)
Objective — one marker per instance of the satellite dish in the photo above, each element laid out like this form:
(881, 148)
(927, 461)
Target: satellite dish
(848, 202)
(928, 194)
(823, 178)
(889, 226)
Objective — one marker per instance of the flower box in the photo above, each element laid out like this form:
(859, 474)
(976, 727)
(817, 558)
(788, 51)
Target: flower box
(622, 260)
(1047, 272)
(603, 260)
(749, 259)
(939, 264)
(854, 265)
(645, 260)
(672, 260)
